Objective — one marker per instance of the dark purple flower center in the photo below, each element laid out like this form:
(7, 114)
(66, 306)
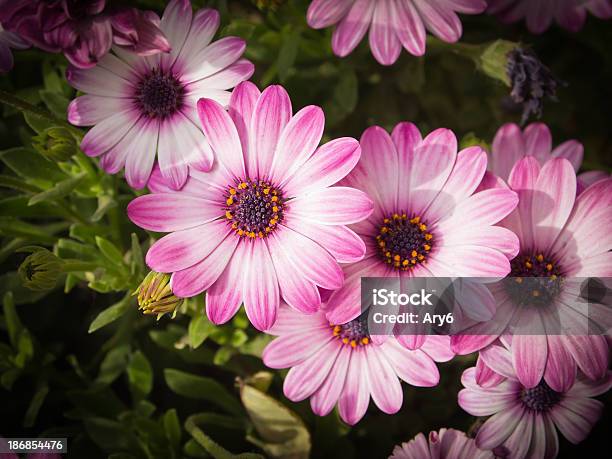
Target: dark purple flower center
(353, 333)
(254, 207)
(403, 242)
(534, 279)
(159, 94)
(540, 398)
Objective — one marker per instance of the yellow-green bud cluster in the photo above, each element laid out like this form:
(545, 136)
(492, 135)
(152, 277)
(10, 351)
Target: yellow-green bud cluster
(155, 295)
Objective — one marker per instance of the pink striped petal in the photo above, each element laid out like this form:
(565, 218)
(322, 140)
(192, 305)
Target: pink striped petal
(214, 58)
(507, 149)
(529, 354)
(109, 132)
(555, 193)
(329, 163)
(221, 133)
(538, 141)
(385, 388)
(499, 427)
(495, 237)
(414, 367)
(332, 206)
(165, 212)
(203, 28)
(355, 395)
(323, 13)
(182, 249)
(175, 24)
(304, 379)
(575, 417)
(465, 177)
(142, 152)
(591, 354)
(241, 107)
(291, 350)
(199, 277)
(99, 82)
(224, 297)
(560, 372)
(298, 292)
(88, 110)
(310, 259)
(522, 180)
(409, 27)
(485, 376)
(352, 27)
(260, 288)
(298, 141)
(344, 244)
(439, 20)
(384, 43)
(324, 399)
(270, 116)
(407, 138)
(226, 78)
(572, 150)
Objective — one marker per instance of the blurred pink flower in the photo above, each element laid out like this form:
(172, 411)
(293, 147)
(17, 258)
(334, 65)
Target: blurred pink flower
(9, 40)
(266, 222)
(564, 238)
(540, 14)
(427, 220)
(341, 364)
(140, 106)
(586, 179)
(85, 30)
(392, 23)
(512, 144)
(524, 420)
(444, 444)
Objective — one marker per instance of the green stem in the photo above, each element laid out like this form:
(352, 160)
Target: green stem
(25, 106)
(77, 265)
(466, 50)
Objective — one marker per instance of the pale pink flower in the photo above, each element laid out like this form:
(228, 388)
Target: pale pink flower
(9, 40)
(393, 24)
(444, 444)
(427, 219)
(340, 364)
(540, 14)
(564, 238)
(524, 420)
(512, 144)
(265, 223)
(145, 106)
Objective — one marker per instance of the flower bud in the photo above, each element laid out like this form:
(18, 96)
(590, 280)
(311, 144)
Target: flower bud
(55, 143)
(40, 270)
(493, 60)
(155, 295)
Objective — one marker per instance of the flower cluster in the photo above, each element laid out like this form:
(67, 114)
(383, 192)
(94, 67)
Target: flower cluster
(259, 211)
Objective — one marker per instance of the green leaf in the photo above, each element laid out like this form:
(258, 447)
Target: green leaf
(282, 432)
(202, 388)
(172, 427)
(35, 405)
(140, 375)
(110, 314)
(13, 324)
(137, 265)
(27, 163)
(199, 329)
(288, 53)
(56, 103)
(213, 448)
(61, 189)
(109, 250)
(114, 363)
(105, 203)
(15, 227)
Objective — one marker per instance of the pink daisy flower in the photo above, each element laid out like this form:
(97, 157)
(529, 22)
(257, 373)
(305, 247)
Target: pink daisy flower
(444, 444)
(563, 239)
(265, 223)
(341, 364)
(512, 144)
(586, 179)
(524, 420)
(141, 107)
(427, 219)
(393, 24)
(9, 40)
(540, 14)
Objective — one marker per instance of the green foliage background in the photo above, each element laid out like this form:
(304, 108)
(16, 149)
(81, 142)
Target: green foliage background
(80, 361)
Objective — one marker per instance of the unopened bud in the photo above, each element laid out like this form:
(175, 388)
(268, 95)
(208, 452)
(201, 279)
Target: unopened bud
(55, 143)
(155, 295)
(40, 270)
(493, 60)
